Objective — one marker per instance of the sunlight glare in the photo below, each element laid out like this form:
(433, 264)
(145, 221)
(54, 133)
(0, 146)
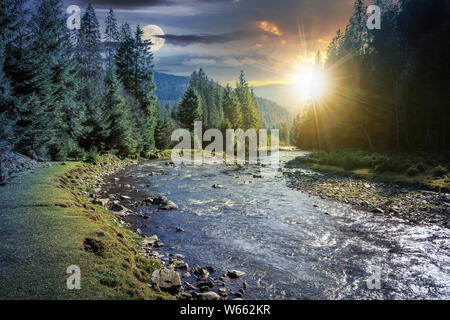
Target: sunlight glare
(311, 83)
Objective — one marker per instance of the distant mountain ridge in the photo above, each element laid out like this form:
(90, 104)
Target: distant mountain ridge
(170, 90)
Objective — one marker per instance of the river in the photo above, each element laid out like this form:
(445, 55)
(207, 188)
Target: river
(290, 245)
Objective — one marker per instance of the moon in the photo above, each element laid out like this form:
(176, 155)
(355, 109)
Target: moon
(151, 32)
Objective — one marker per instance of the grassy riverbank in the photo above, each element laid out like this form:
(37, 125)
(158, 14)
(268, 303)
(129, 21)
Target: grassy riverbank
(48, 222)
(430, 172)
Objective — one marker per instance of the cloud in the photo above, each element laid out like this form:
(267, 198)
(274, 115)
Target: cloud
(269, 27)
(185, 40)
(199, 62)
(129, 4)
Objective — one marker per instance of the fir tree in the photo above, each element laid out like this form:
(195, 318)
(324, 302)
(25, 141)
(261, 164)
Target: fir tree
(120, 128)
(231, 108)
(249, 106)
(91, 77)
(112, 36)
(190, 109)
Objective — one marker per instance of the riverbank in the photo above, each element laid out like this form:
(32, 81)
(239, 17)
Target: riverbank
(376, 193)
(126, 193)
(49, 222)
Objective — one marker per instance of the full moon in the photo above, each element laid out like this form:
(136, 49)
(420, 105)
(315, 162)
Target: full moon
(151, 32)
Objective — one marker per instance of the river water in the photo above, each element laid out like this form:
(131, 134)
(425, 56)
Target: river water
(290, 245)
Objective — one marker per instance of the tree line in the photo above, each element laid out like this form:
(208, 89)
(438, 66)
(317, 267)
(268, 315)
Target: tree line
(67, 93)
(60, 98)
(216, 106)
(390, 85)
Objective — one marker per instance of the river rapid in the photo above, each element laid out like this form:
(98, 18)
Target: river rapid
(290, 245)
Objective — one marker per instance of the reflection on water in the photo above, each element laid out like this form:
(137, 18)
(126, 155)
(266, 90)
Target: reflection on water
(291, 245)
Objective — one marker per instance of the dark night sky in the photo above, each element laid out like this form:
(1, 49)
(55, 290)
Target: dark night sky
(269, 39)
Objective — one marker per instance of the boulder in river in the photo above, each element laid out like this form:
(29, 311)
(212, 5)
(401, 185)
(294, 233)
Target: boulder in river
(161, 200)
(170, 205)
(167, 279)
(234, 274)
(217, 186)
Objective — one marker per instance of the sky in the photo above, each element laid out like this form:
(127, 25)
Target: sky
(271, 40)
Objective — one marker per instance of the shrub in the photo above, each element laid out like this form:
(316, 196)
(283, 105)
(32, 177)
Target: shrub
(439, 171)
(412, 171)
(92, 156)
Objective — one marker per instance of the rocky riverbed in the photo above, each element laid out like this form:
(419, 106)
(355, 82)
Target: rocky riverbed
(130, 203)
(233, 233)
(410, 203)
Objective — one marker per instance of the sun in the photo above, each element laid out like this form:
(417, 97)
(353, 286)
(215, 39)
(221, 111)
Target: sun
(311, 83)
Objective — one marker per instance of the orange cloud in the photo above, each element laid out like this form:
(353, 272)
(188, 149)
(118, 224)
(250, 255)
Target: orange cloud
(269, 27)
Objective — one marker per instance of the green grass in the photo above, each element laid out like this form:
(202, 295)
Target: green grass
(430, 171)
(45, 219)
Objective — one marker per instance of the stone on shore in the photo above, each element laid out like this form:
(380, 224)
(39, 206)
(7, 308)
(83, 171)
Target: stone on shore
(167, 279)
(210, 295)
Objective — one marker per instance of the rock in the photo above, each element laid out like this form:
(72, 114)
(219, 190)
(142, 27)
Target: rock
(190, 286)
(208, 284)
(217, 186)
(117, 207)
(204, 288)
(161, 200)
(150, 240)
(116, 179)
(185, 296)
(234, 274)
(207, 296)
(101, 202)
(169, 206)
(125, 197)
(158, 244)
(244, 285)
(200, 271)
(238, 294)
(222, 291)
(179, 229)
(127, 186)
(167, 279)
(258, 176)
(178, 256)
(378, 210)
(178, 264)
(186, 275)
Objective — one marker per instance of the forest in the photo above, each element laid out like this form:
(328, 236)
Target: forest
(390, 88)
(71, 94)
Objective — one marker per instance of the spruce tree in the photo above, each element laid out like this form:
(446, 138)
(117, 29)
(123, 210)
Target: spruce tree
(120, 136)
(91, 76)
(9, 21)
(55, 81)
(249, 106)
(163, 129)
(231, 108)
(190, 109)
(112, 36)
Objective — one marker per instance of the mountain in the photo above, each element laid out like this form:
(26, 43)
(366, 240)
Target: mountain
(272, 114)
(170, 90)
(283, 94)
